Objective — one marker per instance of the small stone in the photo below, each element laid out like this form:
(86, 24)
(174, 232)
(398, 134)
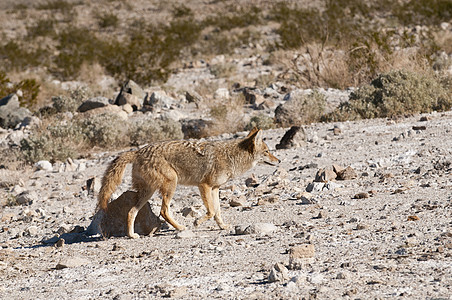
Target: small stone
(31, 231)
(361, 196)
(258, 228)
(337, 131)
(185, 234)
(315, 187)
(60, 243)
(93, 185)
(72, 262)
(341, 275)
(278, 273)
(251, 181)
(191, 212)
(419, 127)
(240, 201)
(26, 198)
(412, 218)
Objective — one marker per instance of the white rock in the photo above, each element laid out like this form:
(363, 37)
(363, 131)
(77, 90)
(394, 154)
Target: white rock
(44, 165)
(222, 93)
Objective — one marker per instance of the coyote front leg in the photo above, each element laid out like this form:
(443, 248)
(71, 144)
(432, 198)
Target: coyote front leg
(211, 200)
(216, 205)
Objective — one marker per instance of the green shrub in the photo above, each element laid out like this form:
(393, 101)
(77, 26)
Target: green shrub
(148, 131)
(44, 27)
(395, 93)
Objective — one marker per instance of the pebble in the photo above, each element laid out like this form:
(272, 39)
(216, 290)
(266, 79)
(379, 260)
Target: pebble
(184, 234)
(258, 228)
(71, 262)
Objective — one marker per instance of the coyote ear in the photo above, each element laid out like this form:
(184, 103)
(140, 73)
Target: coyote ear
(253, 131)
(255, 136)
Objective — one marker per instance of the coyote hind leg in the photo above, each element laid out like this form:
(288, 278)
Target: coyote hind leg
(142, 197)
(167, 190)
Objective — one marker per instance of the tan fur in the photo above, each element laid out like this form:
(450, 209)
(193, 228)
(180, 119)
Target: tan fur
(162, 166)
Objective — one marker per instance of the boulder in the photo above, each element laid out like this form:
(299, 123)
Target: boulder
(11, 114)
(293, 138)
(132, 94)
(113, 222)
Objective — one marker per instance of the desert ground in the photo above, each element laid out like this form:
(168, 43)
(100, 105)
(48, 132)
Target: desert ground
(385, 234)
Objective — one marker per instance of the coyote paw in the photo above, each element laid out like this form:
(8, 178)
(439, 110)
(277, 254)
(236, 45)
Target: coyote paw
(181, 228)
(224, 226)
(134, 236)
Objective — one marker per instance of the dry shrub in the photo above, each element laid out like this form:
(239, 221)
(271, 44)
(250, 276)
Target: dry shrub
(145, 131)
(301, 109)
(227, 115)
(395, 93)
(261, 121)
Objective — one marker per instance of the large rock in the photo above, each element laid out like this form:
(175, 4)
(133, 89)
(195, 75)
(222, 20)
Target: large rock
(131, 93)
(159, 100)
(11, 114)
(114, 221)
(293, 138)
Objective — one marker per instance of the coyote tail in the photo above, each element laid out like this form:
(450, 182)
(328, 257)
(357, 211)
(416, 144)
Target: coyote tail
(112, 178)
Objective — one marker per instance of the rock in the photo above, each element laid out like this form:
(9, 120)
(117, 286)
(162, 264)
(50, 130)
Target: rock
(93, 185)
(361, 196)
(192, 97)
(278, 273)
(251, 181)
(44, 165)
(240, 201)
(195, 128)
(301, 255)
(11, 114)
(114, 221)
(258, 228)
(15, 137)
(27, 198)
(315, 187)
(130, 99)
(160, 100)
(185, 234)
(325, 175)
(191, 212)
(222, 93)
(127, 108)
(30, 122)
(93, 103)
(31, 231)
(293, 138)
(71, 262)
(132, 94)
(306, 198)
(347, 174)
(109, 109)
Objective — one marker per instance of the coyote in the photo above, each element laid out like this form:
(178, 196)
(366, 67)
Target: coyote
(161, 166)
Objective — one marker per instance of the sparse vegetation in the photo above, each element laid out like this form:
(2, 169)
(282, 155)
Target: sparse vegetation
(396, 93)
(301, 109)
(261, 121)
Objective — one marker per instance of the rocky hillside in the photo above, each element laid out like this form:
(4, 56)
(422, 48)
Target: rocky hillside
(354, 98)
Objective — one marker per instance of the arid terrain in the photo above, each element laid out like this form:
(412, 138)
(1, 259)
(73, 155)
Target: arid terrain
(360, 206)
(397, 243)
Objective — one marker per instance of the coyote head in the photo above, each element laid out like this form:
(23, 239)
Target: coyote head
(257, 147)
